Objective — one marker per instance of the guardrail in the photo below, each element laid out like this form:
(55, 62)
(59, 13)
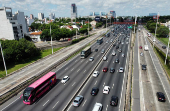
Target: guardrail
(82, 85)
(14, 91)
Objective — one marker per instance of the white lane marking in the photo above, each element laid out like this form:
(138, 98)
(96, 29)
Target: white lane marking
(87, 61)
(119, 62)
(55, 105)
(98, 56)
(112, 86)
(66, 68)
(72, 69)
(84, 71)
(76, 61)
(81, 60)
(45, 103)
(73, 83)
(78, 70)
(95, 83)
(10, 104)
(84, 102)
(103, 84)
(107, 61)
(106, 107)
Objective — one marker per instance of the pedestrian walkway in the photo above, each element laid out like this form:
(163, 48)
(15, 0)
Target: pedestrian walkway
(38, 67)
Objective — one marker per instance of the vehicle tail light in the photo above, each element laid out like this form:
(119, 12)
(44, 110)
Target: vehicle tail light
(159, 98)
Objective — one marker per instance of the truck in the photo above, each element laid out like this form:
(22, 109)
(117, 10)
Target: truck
(146, 47)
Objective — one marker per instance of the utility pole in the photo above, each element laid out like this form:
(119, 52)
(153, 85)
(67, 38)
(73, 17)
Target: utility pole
(155, 29)
(51, 40)
(3, 59)
(167, 49)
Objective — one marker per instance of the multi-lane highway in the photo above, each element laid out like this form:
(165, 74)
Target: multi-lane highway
(78, 70)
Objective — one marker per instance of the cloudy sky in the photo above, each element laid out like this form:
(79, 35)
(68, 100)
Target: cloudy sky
(61, 8)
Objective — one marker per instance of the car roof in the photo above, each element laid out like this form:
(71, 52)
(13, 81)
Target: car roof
(65, 76)
(121, 67)
(78, 97)
(95, 88)
(106, 87)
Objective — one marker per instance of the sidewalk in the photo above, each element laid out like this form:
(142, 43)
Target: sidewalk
(37, 68)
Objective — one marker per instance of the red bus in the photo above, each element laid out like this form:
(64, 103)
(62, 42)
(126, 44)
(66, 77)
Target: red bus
(38, 88)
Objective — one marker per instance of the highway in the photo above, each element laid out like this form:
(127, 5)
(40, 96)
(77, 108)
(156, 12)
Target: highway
(78, 69)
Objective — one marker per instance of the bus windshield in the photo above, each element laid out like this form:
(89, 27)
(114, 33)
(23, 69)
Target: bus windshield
(27, 93)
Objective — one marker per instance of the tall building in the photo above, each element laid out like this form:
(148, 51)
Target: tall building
(73, 11)
(52, 16)
(31, 16)
(113, 14)
(12, 27)
(40, 16)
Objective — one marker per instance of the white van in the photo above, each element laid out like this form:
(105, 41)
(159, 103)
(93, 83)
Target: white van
(146, 47)
(97, 107)
(104, 58)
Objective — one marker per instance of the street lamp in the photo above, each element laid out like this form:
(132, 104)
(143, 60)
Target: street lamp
(51, 40)
(155, 28)
(88, 26)
(167, 49)
(3, 59)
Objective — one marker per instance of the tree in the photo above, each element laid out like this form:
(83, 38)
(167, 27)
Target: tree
(162, 31)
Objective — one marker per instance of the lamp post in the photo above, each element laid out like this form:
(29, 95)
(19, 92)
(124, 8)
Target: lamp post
(167, 50)
(88, 26)
(155, 30)
(51, 40)
(3, 59)
(106, 23)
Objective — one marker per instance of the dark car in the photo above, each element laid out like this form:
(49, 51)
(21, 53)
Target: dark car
(114, 45)
(94, 91)
(112, 70)
(117, 47)
(117, 60)
(114, 101)
(96, 50)
(105, 69)
(163, 47)
(161, 96)
(143, 67)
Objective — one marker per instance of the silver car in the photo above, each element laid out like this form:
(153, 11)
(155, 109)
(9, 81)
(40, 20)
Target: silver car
(77, 101)
(91, 58)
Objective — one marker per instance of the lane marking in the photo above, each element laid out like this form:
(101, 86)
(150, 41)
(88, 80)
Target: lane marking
(78, 70)
(81, 60)
(103, 84)
(55, 105)
(72, 69)
(66, 68)
(106, 107)
(76, 60)
(87, 61)
(84, 71)
(73, 83)
(10, 104)
(84, 102)
(45, 103)
(112, 86)
(95, 83)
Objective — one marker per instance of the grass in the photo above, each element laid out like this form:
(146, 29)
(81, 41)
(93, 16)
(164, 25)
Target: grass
(164, 40)
(13, 67)
(161, 57)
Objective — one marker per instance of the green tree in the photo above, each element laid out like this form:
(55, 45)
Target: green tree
(162, 31)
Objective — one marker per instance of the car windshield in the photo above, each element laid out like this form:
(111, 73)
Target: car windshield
(75, 101)
(105, 90)
(64, 78)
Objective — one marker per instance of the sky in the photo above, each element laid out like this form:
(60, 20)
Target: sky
(61, 8)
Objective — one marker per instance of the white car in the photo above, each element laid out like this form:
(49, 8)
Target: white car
(104, 58)
(121, 69)
(65, 79)
(91, 59)
(96, 73)
(97, 107)
(106, 90)
(123, 55)
(113, 53)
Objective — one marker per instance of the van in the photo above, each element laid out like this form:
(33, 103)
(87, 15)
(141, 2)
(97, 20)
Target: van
(97, 107)
(113, 53)
(146, 47)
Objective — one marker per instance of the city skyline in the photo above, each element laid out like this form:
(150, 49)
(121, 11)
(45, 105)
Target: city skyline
(62, 8)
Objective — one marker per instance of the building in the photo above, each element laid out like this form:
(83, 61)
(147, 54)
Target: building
(35, 36)
(40, 16)
(113, 14)
(29, 21)
(13, 27)
(31, 16)
(73, 11)
(52, 16)
(152, 14)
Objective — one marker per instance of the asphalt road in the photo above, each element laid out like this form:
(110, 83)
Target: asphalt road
(115, 81)
(77, 69)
